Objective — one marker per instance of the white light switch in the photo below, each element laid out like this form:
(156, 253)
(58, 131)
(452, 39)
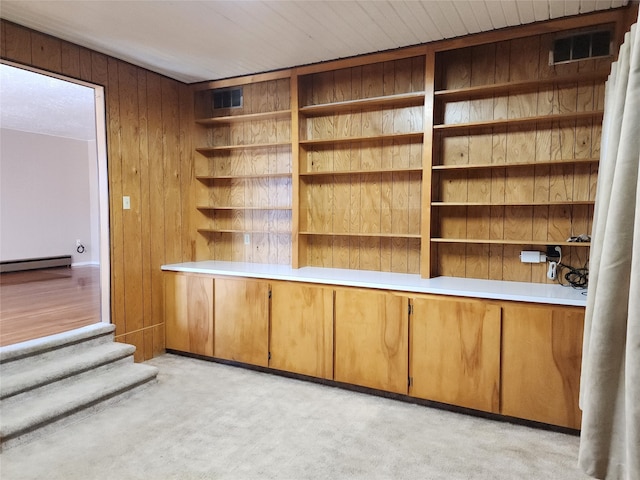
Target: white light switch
(126, 203)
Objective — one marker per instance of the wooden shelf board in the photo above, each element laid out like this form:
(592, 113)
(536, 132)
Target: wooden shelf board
(378, 138)
(243, 177)
(510, 242)
(511, 204)
(213, 207)
(517, 122)
(349, 234)
(279, 114)
(487, 166)
(361, 172)
(399, 100)
(479, 91)
(241, 147)
(222, 230)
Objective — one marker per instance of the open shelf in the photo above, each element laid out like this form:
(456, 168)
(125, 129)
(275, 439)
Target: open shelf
(506, 88)
(251, 176)
(463, 128)
(511, 204)
(389, 101)
(413, 136)
(361, 172)
(487, 166)
(214, 207)
(223, 230)
(222, 148)
(510, 242)
(276, 115)
(362, 234)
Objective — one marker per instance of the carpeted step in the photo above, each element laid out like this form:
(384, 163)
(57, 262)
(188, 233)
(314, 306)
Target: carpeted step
(52, 346)
(26, 376)
(36, 411)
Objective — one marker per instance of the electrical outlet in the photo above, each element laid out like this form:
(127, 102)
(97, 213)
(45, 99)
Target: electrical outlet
(126, 203)
(247, 239)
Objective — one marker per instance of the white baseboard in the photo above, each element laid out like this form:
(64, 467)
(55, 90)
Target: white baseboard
(85, 264)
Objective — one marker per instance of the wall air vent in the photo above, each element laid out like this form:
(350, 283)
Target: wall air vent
(581, 46)
(227, 98)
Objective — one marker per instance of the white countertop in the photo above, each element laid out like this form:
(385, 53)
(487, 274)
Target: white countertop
(460, 287)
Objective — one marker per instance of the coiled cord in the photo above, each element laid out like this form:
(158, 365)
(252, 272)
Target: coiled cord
(575, 277)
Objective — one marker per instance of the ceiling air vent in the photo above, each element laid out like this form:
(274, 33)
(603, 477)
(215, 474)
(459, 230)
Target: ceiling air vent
(581, 46)
(227, 98)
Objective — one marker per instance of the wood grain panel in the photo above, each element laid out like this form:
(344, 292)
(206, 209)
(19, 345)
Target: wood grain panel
(188, 313)
(130, 181)
(241, 313)
(371, 339)
(455, 352)
(46, 52)
(301, 337)
(541, 357)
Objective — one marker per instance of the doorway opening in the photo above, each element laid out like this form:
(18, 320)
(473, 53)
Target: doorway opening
(54, 204)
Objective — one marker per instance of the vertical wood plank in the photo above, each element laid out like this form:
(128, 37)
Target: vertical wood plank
(46, 52)
(130, 185)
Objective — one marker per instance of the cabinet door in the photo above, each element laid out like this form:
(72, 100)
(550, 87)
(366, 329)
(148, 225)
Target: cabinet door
(541, 355)
(371, 339)
(455, 352)
(302, 329)
(242, 321)
(189, 313)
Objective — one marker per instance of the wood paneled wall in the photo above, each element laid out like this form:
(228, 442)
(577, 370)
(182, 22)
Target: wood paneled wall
(149, 125)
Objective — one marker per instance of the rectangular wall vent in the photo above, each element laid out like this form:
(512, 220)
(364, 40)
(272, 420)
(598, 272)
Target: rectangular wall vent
(581, 46)
(227, 98)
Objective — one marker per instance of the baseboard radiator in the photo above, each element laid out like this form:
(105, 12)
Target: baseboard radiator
(35, 263)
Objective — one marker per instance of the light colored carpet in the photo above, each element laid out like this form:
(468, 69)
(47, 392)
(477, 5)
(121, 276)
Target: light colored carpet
(208, 421)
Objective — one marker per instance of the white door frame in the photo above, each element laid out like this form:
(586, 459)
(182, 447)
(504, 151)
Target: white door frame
(103, 184)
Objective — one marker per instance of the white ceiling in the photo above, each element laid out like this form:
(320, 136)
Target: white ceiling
(196, 41)
(31, 102)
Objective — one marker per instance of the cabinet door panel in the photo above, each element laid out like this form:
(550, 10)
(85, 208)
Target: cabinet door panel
(541, 356)
(189, 313)
(371, 339)
(242, 321)
(302, 329)
(455, 352)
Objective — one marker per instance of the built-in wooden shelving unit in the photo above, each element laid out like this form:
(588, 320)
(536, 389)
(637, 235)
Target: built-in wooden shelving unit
(445, 159)
(514, 159)
(243, 168)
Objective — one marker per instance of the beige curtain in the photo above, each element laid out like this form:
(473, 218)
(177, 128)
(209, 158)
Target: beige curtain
(610, 382)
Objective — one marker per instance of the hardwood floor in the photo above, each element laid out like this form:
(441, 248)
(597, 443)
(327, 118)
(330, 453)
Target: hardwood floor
(37, 303)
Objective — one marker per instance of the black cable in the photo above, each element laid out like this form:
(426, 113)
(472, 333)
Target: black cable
(575, 277)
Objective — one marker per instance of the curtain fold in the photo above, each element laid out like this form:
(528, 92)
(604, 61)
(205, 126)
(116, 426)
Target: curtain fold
(610, 381)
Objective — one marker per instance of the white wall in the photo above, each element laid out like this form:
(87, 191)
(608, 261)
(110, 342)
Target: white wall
(46, 197)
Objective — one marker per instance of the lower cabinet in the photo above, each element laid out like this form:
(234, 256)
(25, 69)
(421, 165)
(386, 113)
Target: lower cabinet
(517, 359)
(541, 360)
(189, 313)
(302, 329)
(371, 339)
(455, 352)
(241, 320)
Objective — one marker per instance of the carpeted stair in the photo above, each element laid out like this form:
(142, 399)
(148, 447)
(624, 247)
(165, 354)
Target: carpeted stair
(50, 381)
